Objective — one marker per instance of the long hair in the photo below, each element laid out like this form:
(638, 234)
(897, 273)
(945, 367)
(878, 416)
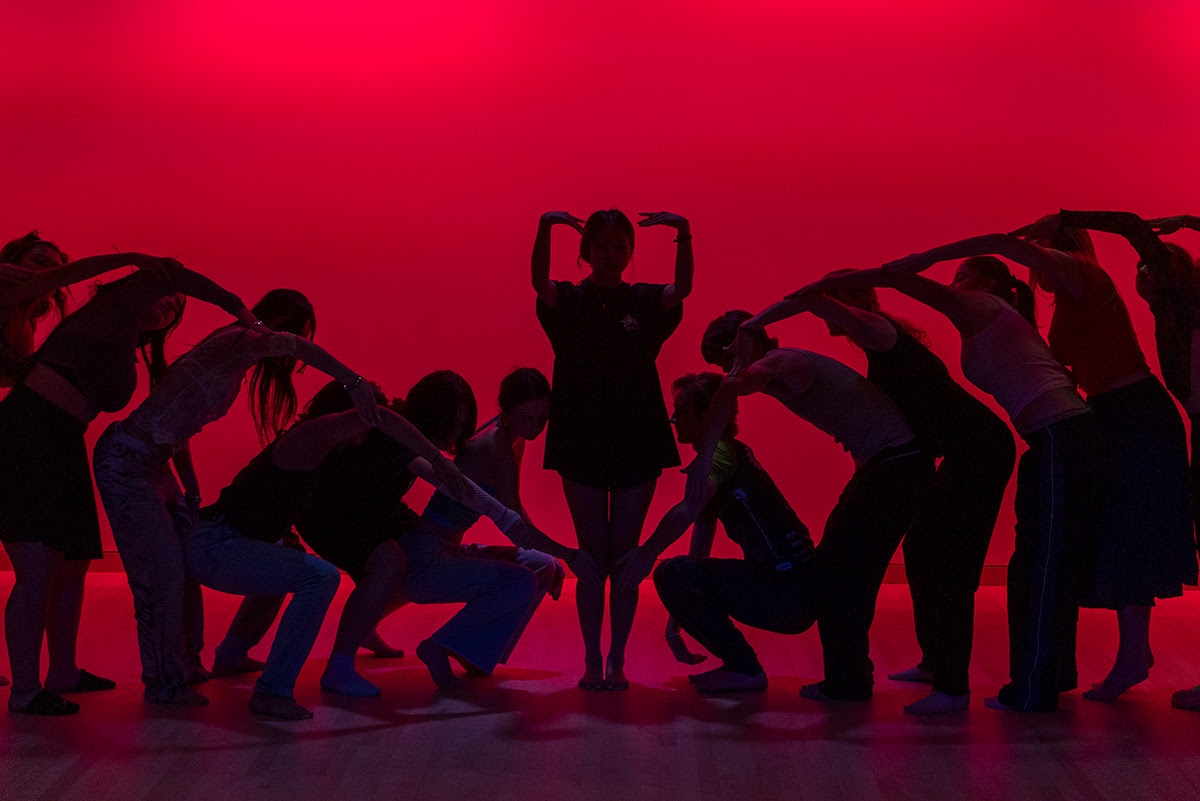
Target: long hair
(272, 395)
(721, 332)
(436, 404)
(333, 398)
(1008, 287)
(152, 345)
(867, 299)
(17, 252)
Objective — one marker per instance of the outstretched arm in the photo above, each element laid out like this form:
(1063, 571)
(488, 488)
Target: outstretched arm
(638, 563)
(685, 266)
(1127, 224)
(1060, 269)
(970, 312)
(866, 329)
(1169, 225)
(540, 262)
(40, 283)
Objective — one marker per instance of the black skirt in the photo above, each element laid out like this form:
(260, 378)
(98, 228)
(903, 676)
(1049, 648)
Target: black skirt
(1144, 542)
(46, 492)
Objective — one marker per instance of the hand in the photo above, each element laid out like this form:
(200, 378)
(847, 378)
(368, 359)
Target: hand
(909, 265)
(678, 647)
(697, 477)
(585, 568)
(742, 349)
(247, 318)
(675, 221)
(1043, 228)
(453, 481)
(562, 218)
(15, 274)
(634, 567)
(1169, 225)
(362, 393)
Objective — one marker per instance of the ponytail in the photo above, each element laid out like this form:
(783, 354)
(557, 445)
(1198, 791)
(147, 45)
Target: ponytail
(1006, 286)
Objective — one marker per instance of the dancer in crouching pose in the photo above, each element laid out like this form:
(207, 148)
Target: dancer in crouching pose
(149, 514)
(770, 587)
(892, 475)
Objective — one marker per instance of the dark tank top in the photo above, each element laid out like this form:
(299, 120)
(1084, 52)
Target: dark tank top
(264, 500)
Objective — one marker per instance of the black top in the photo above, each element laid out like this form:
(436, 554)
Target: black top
(754, 512)
(95, 348)
(263, 500)
(940, 411)
(607, 411)
(360, 492)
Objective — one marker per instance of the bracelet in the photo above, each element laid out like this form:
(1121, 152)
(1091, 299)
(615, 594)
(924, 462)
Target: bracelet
(353, 384)
(684, 238)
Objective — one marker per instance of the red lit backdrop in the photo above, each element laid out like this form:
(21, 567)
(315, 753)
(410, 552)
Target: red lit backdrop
(391, 160)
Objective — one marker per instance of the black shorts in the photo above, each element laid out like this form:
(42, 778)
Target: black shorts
(46, 492)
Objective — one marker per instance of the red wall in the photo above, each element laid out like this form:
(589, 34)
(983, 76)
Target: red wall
(391, 160)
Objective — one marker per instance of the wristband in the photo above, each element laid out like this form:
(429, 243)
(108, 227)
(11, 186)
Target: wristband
(683, 238)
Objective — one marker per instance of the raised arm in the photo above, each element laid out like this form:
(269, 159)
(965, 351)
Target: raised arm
(541, 253)
(40, 283)
(685, 265)
(307, 351)
(1123, 223)
(1169, 225)
(866, 329)
(195, 285)
(970, 312)
(1061, 269)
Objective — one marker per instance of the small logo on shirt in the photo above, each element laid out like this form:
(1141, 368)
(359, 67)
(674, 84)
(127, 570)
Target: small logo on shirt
(630, 323)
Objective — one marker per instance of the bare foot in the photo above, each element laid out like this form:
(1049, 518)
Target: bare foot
(614, 676)
(379, 646)
(181, 696)
(813, 693)
(593, 679)
(1120, 679)
(1187, 699)
(938, 703)
(278, 706)
(437, 659)
(915, 673)
(247, 665)
(726, 681)
(471, 671)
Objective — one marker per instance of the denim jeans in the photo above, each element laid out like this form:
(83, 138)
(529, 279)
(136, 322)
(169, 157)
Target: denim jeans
(224, 560)
(149, 520)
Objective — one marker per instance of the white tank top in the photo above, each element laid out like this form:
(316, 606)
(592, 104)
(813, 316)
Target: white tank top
(1010, 361)
(849, 408)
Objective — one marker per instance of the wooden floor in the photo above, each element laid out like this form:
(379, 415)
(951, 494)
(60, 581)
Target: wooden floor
(528, 734)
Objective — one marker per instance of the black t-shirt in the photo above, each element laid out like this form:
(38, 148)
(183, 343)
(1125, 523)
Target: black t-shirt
(608, 413)
(754, 512)
(263, 500)
(940, 411)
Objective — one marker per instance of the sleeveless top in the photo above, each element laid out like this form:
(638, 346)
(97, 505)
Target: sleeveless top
(202, 384)
(849, 408)
(1010, 361)
(754, 512)
(1093, 335)
(940, 411)
(263, 500)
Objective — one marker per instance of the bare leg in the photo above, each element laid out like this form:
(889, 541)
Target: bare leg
(34, 565)
(364, 609)
(589, 512)
(63, 611)
(629, 508)
(374, 641)
(1134, 657)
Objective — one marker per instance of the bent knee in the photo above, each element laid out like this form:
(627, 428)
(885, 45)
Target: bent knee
(388, 559)
(676, 571)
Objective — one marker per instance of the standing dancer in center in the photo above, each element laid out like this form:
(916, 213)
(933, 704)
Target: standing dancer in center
(609, 437)
(945, 548)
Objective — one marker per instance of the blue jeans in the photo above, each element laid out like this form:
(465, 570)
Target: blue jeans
(149, 520)
(224, 560)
